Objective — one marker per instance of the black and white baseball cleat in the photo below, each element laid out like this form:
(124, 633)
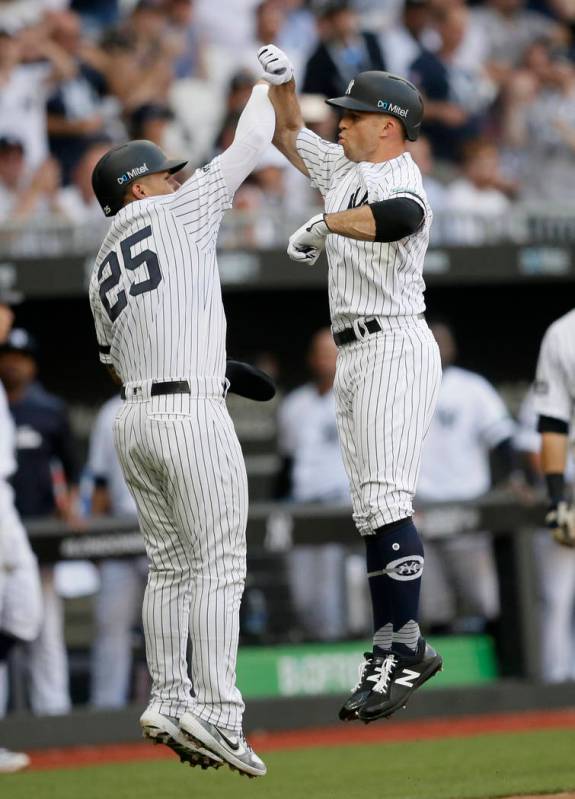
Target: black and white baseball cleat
(400, 677)
(162, 729)
(369, 675)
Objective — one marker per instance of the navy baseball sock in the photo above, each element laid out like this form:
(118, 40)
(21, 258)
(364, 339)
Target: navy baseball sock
(394, 568)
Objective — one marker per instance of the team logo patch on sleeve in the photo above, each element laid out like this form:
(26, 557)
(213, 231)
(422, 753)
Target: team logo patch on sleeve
(541, 387)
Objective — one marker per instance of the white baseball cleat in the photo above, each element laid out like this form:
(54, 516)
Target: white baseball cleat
(11, 762)
(232, 747)
(165, 730)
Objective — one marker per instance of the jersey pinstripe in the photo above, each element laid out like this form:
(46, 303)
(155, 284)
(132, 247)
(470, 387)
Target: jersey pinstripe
(368, 278)
(554, 388)
(155, 290)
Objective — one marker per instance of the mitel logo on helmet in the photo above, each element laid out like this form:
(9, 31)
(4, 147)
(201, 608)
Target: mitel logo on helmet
(392, 108)
(133, 173)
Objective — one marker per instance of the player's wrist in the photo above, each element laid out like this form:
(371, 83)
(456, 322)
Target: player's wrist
(326, 223)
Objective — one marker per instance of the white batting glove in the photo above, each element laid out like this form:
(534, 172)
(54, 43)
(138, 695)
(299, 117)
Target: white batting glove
(276, 65)
(561, 521)
(308, 241)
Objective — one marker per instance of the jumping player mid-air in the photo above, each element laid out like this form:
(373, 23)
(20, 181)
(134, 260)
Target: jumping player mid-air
(375, 232)
(156, 299)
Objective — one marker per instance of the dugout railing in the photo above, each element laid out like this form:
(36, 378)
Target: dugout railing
(273, 528)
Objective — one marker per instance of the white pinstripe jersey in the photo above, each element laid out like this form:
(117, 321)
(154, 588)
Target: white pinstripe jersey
(155, 289)
(368, 278)
(554, 387)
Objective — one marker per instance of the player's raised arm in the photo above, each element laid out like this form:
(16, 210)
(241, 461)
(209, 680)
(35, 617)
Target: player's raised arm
(289, 120)
(253, 135)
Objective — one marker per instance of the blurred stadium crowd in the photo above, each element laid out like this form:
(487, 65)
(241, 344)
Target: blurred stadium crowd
(498, 78)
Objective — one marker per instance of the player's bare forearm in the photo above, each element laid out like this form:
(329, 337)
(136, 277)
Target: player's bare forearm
(355, 223)
(289, 122)
(554, 448)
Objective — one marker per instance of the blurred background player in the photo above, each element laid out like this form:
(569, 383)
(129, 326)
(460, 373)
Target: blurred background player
(20, 592)
(554, 393)
(460, 590)
(555, 564)
(122, 581)
(313, 471)
(44, 485)
(344, 49)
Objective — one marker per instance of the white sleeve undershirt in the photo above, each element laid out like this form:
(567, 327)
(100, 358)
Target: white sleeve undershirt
(254, 133)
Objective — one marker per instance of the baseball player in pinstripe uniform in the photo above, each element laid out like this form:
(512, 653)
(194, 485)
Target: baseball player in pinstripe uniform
(375, 232)
(555, 404)
(156, 299)
(20, 589)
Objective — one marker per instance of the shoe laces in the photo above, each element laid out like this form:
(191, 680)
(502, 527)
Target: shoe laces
(364, 670)
(385, 671)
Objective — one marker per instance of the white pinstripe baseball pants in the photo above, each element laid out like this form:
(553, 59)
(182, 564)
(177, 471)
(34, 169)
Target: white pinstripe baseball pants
(184, 466)
(386, 388)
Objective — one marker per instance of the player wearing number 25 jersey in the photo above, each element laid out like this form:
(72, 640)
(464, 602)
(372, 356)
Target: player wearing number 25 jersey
(156, 299)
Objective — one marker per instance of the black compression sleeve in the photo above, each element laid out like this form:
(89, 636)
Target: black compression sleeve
(395, 219)
(549, 424)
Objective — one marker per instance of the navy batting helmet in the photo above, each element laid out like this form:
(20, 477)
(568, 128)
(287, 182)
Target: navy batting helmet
(122, 165)
(384, 93)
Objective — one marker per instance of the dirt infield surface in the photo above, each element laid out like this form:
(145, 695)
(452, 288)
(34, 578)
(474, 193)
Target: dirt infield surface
(544, 796)
(343, 735)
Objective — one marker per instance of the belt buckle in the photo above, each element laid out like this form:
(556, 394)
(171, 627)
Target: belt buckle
(360, 328)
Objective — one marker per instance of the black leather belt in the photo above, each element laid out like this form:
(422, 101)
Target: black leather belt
(361, 329)
(167, 387)
(349, 334)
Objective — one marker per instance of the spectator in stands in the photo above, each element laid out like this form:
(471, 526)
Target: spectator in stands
(555, 566)
(457, 96)
(270, 19)
(507, 28)
(470, 422)
(122, 582)
(137, 61)
(30, 64)
(75, 108)
(403, 42)
(477, 201)
(539, 125)
(44, 486)
(298, 35)
(23, 193)
(96, 15)
(150, 122)
(313, 471)
(344, 50)
(232, 37)
(190, 60)
(77, 201)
